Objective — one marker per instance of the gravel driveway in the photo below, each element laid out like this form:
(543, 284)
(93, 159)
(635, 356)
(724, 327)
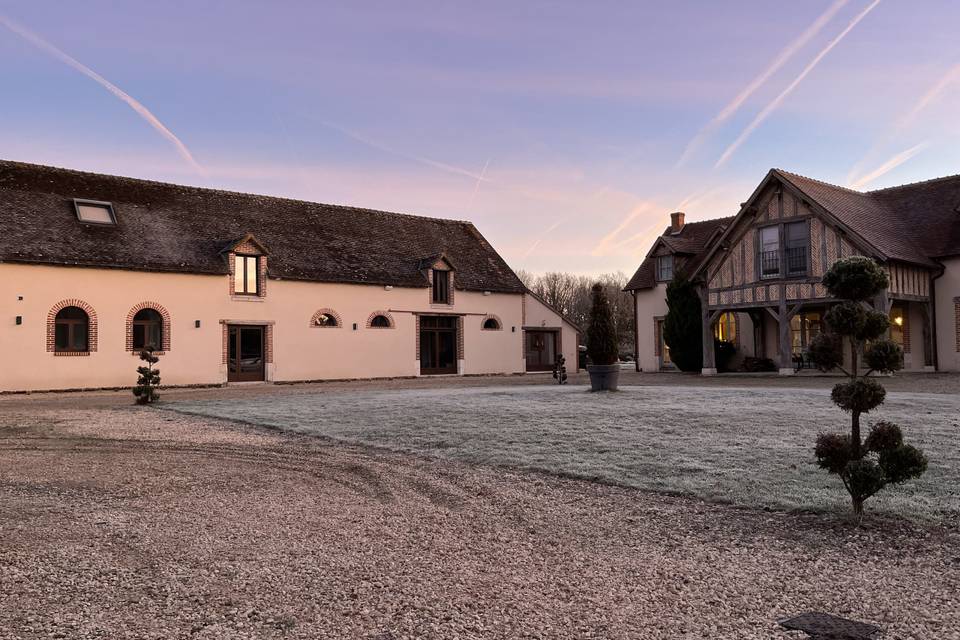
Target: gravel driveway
(748, 446)
(141, 523)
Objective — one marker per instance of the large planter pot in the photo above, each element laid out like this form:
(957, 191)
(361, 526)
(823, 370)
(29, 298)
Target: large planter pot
(604, 377)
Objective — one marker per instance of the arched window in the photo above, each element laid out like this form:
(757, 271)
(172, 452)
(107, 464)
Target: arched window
(72, 330)
(491, 324)
(726, 327)
(147, 330)
(380, 322)
(326, 320)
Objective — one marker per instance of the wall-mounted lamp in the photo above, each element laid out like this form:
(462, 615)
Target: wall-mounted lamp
(898, 321)
(388, 287)
(19, 319)
(19, 297)
(354, 326)
(513, 329)
(196, 323)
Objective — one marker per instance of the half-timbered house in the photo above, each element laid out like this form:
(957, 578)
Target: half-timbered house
(759, 272)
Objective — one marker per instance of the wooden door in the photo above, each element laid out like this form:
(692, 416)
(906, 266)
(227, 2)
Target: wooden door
(438, 345)
(245, 360)
(541, 350)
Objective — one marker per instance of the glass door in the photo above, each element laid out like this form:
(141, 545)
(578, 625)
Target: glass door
(245, 361)
(541, 350)
(438, 345)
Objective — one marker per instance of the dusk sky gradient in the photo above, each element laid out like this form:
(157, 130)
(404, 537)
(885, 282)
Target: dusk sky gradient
(565, 131)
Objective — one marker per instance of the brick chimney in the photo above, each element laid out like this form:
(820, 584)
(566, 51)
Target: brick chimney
(676, 221)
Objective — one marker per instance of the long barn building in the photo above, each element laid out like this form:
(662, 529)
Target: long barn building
(232, 287)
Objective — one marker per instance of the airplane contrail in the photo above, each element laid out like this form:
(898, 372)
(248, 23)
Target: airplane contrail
(776, 102)
(952, 75)
(785, 54)
(889, 165)
(449, 168)
(637, 211)
(480, 178)
(132, 102)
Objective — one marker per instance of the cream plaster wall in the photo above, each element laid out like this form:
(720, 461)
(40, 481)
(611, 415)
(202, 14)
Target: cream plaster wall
(948, 288)
(300, 351)
(651, 303)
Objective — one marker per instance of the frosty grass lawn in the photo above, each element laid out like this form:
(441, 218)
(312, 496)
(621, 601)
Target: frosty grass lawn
(750, 447)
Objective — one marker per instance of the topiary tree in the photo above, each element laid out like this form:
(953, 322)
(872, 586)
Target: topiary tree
(682, 327)
(865, 467)
(601, 332)
(149, 380)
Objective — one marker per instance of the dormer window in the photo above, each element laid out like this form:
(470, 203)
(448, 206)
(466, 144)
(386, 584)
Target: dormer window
(245, 278)
(664, 268)
(441, 286)
(95, 212)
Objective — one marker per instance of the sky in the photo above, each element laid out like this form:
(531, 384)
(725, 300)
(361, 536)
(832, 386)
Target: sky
(566, 131)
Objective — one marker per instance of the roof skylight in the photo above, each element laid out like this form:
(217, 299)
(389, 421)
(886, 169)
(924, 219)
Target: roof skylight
(95, 212)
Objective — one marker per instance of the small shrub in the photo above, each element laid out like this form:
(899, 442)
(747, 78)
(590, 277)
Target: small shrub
(864, 466)
(149, 378)
(884, 356)
(858, 396)
(682, 327)
(883, 436)
(601, 333)
(855, 278)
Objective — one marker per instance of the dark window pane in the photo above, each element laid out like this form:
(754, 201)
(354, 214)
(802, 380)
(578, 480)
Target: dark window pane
(490, 323)
(380, 321)
(79, 341)
(62, 337)
(139, 336)
(72, 313)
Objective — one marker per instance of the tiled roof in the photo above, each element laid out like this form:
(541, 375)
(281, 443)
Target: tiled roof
(931, 210)
(166, 227)
(693, 240)
(879, 221)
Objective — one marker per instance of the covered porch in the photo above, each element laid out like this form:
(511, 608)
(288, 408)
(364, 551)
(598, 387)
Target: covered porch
(781, 331)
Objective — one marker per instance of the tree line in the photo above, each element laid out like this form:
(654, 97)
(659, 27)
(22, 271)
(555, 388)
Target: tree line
(570, 294)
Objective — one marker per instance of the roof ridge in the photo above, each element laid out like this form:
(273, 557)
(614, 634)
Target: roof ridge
(823, 182)
(914, 184)
(228, 192)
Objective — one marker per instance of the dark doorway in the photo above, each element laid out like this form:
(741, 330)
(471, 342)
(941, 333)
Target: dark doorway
(541, 350)
(438, 345)
(245, 354)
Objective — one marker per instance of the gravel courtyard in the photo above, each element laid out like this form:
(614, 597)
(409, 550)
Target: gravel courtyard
(118, 521)
(747, 446)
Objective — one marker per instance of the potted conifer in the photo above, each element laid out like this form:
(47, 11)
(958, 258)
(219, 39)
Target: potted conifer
(602, 344)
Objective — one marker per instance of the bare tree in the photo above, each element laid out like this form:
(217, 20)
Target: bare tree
(570, 295)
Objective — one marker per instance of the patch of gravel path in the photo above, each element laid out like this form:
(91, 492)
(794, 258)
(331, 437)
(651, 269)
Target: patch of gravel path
(750, 446)
(145, 524)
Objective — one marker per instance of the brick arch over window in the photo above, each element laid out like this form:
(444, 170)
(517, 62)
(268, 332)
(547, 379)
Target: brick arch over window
(164, 329)
(385, 314)
(52, 325)
(487, 318)
(328, 312)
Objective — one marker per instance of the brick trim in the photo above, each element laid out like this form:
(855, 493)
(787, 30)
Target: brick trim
(450, 287)
(460, 338)
(417, 333)
(164, 329)
(385, 314)
(329, 312)
(490, 316)
(248, 249)
(92, 328)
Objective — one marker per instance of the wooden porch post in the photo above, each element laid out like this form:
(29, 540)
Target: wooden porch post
(786, 350)
(709, 361)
